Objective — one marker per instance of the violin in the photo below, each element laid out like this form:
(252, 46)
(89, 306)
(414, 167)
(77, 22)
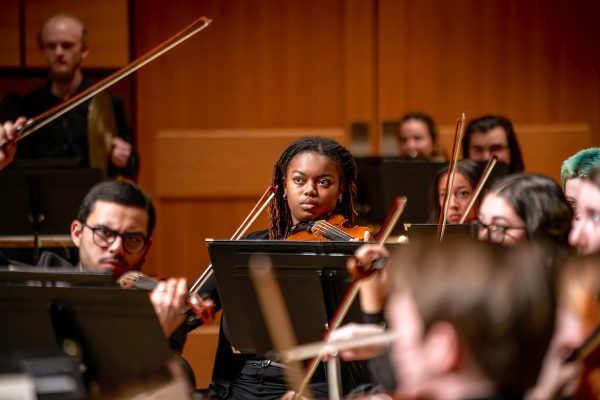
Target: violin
(331, 229)
(204, 308)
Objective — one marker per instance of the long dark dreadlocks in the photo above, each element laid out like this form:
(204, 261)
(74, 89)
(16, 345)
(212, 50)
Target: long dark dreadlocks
(279, 211)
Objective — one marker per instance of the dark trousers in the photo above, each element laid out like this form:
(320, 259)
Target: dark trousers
(259, 380)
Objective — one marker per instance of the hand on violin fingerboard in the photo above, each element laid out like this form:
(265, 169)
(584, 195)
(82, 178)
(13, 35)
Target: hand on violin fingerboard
(168, 299)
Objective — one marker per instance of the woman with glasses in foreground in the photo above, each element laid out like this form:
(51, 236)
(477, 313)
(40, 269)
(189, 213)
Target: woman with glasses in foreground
(524, 206)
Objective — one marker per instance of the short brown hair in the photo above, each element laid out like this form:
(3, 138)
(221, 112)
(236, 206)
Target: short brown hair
(500, 300)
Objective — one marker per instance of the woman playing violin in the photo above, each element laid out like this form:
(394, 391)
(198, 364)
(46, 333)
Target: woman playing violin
(316, 177)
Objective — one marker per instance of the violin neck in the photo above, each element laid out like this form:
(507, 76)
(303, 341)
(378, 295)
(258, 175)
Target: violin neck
(146, 284)
(136, 279)
(334, 233)
(330, 232)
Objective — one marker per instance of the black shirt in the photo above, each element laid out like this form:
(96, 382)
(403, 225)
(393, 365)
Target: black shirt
(66, 137)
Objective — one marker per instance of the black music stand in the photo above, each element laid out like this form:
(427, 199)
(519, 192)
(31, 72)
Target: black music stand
(312, 277)
(42, 197)
(42, 200)
(381, 179)
(116, 332)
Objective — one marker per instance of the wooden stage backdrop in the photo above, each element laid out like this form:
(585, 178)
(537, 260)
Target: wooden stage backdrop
(212, 115)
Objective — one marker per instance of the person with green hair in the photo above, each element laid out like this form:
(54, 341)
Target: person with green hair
(576, 167)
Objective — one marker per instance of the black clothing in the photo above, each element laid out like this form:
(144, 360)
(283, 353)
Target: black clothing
(238, 376)
(3, 260)
(380, 367)
(66, 137)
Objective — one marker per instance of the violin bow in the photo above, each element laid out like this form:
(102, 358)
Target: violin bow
(39, 121)
(352, 291)
(314, 349)
(460, 127)
(259, 207)
(480, 185)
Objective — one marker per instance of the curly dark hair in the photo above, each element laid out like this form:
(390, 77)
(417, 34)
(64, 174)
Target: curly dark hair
(279, 212)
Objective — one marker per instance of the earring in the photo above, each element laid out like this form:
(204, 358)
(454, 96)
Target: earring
(285, 196)
(340, 198)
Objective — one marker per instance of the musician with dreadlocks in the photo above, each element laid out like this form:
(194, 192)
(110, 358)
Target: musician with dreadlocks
(316, 178)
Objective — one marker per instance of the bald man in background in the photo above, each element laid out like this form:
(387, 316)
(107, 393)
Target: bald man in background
(64, 41)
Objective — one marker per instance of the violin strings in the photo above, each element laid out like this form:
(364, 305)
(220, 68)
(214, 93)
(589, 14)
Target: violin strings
(149, 283)
(324, 227)
(332, 231)
(143, 282)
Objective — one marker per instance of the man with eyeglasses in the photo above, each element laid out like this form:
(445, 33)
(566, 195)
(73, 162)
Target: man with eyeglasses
(113, 228)
(113, 232)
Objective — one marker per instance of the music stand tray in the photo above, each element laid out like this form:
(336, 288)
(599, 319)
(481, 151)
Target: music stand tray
(54, 276)
(417, 232)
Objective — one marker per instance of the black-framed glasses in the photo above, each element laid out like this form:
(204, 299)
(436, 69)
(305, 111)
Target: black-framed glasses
(495, 233)
(133, 243)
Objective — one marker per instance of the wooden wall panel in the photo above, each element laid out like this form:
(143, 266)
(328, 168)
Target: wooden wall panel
(261, 64)
(10, 44)
(360, 65)
(535, 62)
(200, 351)
(184, 225)
(195, 162)
(107, 22)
